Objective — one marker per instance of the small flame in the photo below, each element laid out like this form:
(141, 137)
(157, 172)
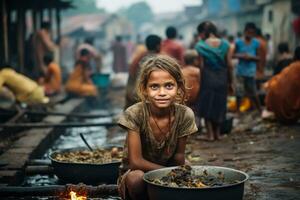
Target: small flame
(74, 196)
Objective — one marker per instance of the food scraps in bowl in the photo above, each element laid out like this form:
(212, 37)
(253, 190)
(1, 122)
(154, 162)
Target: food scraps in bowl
(97, 156)
(183, 177)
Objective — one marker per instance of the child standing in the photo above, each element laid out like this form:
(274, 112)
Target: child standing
(157, 126)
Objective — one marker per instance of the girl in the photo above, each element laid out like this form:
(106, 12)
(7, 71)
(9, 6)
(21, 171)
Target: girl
(216, 78)
(157, 126)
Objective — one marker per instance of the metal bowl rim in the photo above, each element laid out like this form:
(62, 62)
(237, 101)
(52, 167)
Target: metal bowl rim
(196, 166)
(79, 164)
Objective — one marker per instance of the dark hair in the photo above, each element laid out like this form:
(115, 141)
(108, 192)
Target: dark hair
(152, 41)
(258, 32)
(283, 47)
(297, 53)
(250, 25)
(207, 27)
(230, 38)
(171, 32)
(84, 52)
(48, 58)
(189, 56)
(46, 25)
(89, 40)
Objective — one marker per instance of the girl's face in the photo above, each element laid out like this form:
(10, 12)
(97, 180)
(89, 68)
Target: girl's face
(161, 89)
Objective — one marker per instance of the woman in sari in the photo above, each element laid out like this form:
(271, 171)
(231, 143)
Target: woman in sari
(215, 78)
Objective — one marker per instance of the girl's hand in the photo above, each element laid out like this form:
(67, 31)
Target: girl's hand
(135, 156)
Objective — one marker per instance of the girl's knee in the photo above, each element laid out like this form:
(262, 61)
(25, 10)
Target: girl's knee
(134, 178)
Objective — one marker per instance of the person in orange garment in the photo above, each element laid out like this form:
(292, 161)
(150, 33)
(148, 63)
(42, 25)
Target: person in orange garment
(79, 82)
(52, 79)
(283, 92)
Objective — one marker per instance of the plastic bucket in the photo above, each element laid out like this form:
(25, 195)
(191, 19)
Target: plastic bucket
(101, 80)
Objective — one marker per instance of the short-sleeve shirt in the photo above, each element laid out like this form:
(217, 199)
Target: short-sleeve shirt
(136, 118)
(245, 67)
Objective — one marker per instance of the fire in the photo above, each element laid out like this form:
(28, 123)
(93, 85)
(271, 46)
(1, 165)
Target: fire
(74, 196)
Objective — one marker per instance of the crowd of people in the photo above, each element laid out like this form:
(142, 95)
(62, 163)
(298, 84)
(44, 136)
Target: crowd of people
(171, 88)
(168, 75)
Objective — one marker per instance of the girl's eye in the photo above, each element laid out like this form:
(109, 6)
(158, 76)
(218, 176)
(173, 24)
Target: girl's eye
(169, 86)
(154, 87)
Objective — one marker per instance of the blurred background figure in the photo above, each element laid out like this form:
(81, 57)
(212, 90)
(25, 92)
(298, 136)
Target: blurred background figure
(216, 79)
(171, 46)
(23, 88)
(283, 92)
(79, 82)
(284, 58)
(42, 44)
(53, 78)
(191, 72)
(153, 43)
(247, 52)
(119, 55)
(96, 58)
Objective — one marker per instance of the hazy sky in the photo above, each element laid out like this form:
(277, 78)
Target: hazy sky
(157, 6)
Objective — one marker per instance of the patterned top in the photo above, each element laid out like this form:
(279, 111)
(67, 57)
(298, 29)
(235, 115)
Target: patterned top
(136, 118)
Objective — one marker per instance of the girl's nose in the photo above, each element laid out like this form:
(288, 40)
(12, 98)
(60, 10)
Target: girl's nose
(162, 91)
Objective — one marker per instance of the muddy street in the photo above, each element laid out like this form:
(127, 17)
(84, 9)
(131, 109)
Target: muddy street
(267, 151)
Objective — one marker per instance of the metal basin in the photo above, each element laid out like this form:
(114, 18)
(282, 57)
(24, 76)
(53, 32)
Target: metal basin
(230, 192)
(84, 172)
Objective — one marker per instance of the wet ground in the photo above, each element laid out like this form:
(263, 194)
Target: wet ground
(266, 150)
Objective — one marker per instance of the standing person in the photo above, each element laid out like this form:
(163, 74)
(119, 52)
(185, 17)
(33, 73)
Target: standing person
(284, 58)
(216, 78)
(52, 79)
(153, 47)
(79, 82)
(42, 44)
(119, 55)
(247, 52)
(157, 127)
(95, 54)
(171, 46)
(283, 92)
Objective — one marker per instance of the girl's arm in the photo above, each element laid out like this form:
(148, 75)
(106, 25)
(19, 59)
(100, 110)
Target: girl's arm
(179, 156)
(135, 156)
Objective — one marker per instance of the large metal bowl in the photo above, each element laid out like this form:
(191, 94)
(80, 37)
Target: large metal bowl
(84, 172)
(230, 192)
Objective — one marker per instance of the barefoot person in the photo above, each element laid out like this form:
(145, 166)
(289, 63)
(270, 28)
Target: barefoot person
(216, 78)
